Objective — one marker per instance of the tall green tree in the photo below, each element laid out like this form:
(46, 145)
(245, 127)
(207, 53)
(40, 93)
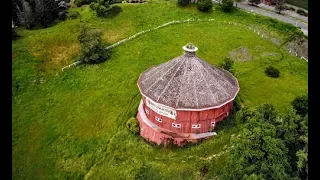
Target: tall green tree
(26, 15)
(300, 104)
(46, 11)
(302, 153)
(257, 153)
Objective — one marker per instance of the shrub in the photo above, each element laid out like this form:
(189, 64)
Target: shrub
(93, 6)
(272, 72)
(133, 125)
(204, 5)
(73, 15)
(227, 64)
(183, 2)
(301, 12)
(255, 2)
(226, 5)
(101, 11)
(83, 2)
(91, 50)
(113, 11)
(300, 104)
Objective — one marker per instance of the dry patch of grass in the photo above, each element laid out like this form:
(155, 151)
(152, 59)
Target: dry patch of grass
(56, 56)
(240, 54)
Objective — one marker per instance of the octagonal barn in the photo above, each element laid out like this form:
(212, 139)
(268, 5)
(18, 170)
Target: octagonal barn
(183, 99)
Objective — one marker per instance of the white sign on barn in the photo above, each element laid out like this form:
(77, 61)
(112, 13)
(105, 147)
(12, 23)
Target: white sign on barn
(160, 109)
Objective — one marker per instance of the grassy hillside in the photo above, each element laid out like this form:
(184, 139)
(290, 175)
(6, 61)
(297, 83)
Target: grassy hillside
(71, 125)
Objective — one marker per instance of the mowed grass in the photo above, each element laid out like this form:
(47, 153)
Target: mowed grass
(72, 126)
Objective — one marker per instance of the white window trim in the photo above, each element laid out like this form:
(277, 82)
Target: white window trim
(196, 126)
(158, 119)
(176, 125)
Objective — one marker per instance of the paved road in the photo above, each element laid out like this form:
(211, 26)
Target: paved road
(285, 18)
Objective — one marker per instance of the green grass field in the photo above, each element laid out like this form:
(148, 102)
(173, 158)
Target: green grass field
(299, 3)
(72, 126)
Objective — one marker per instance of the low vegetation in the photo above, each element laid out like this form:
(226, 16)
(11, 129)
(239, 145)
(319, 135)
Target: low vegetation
(226, 5)
(204, 5)
(91, 49)
(272, 72)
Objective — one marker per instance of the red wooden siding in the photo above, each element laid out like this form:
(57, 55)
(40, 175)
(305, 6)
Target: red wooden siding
(187, 118)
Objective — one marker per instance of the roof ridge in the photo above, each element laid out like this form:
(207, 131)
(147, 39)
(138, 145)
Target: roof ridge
(163, 75)
(170, 80)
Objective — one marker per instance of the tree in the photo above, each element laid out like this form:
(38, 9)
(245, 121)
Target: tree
(257, 153)
(302, 153)
(204, 5)
(91, 50)
(226, 5)
(46, 11)
(26, 15)
(288, 131)
(300, 104)
(279, 5)
(254, 2)
(237, 1)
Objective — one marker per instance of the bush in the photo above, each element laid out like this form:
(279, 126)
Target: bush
(93, 6)
(183, 2)
(83, 2)
(113, 11)
(73, 15)
(227, 64)
(226, 5)
(133, 125)
(301, 12)
(91, 50)
(272, 72)
(300, 104)
(204, 5)
(101, 11)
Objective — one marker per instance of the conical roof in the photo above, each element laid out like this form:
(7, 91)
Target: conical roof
(188, 83)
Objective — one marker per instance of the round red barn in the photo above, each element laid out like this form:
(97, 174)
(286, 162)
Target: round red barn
(184, 98)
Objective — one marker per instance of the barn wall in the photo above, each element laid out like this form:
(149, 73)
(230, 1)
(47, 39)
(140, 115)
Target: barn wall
(187, 118)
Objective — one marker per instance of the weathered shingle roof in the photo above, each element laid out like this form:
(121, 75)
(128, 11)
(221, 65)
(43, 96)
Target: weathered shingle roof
(187, 82)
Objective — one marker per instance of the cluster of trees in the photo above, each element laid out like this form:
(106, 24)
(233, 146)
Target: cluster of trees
(33, 12)
(270, 145)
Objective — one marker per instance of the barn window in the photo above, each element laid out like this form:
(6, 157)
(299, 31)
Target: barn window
(195, 125)
(147, 111)
(213, 123)
(176, 125)
(158, 119)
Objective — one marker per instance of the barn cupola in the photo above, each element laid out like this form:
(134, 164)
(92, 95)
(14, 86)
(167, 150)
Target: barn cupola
(189, 49)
